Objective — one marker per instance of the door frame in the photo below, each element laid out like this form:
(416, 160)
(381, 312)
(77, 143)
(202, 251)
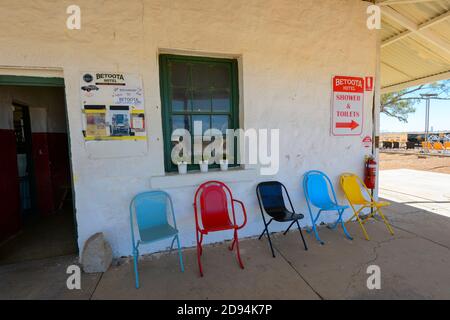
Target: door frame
(8, 80)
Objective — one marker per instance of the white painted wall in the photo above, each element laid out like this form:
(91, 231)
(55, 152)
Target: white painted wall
(288, 52)
(46, 105)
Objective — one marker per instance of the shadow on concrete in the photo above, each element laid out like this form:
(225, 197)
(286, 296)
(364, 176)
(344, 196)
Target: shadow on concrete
(46, 237)
(414, 265)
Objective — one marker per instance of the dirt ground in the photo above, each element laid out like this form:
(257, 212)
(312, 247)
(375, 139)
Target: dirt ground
(413, 161)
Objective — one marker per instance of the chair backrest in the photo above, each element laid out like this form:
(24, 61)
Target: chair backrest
(315, 186)
(270, 195)
(151, 209)
(213, 197)
(351, 185)
(438, 146)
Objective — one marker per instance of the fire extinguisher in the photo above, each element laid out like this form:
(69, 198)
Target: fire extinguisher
(370, 173)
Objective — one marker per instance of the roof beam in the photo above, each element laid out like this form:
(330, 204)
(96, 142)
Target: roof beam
(416, 82)
(421, 27)
(414, 28)
(397, 70)
(389, 2)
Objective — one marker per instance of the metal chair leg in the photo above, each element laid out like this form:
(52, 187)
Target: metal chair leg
(314, 227)
(287, 230)
(345, 231)
(201, 241)
(231, 247)
(366, 235)
(199, 253)
(316, 234)
(237, 250)
(270, 243)
(266, 226)
(386, 222)
(136, 261)
(347, 234)
(180, 254)
(264, 231)
(301, 233)
(173, 242)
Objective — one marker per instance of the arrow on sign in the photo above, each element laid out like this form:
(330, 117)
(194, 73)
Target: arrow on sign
(348, 125)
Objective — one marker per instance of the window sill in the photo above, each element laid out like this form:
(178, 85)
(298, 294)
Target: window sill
(175, 180)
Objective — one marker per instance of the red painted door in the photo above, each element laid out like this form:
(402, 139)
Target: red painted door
(41, 159)
(9, 186)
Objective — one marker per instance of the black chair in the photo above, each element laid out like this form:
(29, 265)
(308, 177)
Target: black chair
(271, 201)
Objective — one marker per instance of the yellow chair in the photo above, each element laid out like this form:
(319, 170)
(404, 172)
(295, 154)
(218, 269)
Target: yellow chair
(427, 145)
(438, 146)
(351, 184)
(447, 145)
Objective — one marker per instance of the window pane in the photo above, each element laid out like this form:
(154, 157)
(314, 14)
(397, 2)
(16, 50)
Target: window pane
(196, 89)
(221, 123)
(200, 75)
(205, 121)
(180, 99)
(181, 122)
(220, 76)
(179, 74)
(221, 101)
(201, 100)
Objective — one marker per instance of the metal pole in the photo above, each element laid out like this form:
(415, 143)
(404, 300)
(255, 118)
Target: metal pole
(427, 119)
(427, 96)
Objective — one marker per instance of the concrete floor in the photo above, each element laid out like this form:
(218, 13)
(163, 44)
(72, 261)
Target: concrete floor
(414, 262)
(41, 238)
(425, 190)
(414, 265)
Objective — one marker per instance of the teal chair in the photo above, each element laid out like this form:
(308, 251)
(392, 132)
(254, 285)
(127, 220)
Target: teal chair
(317, 187)
(150, 211)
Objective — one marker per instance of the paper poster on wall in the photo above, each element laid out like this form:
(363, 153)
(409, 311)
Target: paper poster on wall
(347, 106)
(113, 106)
(138, 121)
(120, 121)
(95, 121)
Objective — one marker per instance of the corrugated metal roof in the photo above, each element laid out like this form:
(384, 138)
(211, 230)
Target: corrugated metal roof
(415, 42)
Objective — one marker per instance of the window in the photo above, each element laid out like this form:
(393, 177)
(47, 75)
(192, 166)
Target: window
(197, 89)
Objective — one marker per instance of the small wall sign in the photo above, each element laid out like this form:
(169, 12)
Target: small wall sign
(367, 141)
(369, 83)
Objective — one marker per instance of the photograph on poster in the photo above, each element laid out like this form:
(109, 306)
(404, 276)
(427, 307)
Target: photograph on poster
(113, 106)
(95, 120)
(120, 120)
(138, 121)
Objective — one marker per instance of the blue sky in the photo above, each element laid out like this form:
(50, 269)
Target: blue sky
(439, 118)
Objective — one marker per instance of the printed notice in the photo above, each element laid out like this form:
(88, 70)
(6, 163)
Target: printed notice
(347, 106)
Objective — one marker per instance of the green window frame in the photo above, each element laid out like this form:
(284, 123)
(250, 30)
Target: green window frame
(198, 92)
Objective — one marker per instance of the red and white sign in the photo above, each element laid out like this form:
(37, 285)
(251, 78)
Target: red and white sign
(367, 142)
(347, 106)
(369, 83)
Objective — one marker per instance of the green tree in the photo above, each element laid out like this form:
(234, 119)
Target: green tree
(400, 104)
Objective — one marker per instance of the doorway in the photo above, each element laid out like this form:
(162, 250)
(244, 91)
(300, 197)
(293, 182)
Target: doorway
(39, 221)
(22, 131)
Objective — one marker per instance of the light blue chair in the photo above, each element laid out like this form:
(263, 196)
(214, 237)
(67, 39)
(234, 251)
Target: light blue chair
(150, 211)
(317, 186)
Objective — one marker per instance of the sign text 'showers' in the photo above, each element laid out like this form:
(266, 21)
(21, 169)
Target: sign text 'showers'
(347, 106)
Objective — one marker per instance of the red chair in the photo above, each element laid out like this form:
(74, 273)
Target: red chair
(212, 213)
